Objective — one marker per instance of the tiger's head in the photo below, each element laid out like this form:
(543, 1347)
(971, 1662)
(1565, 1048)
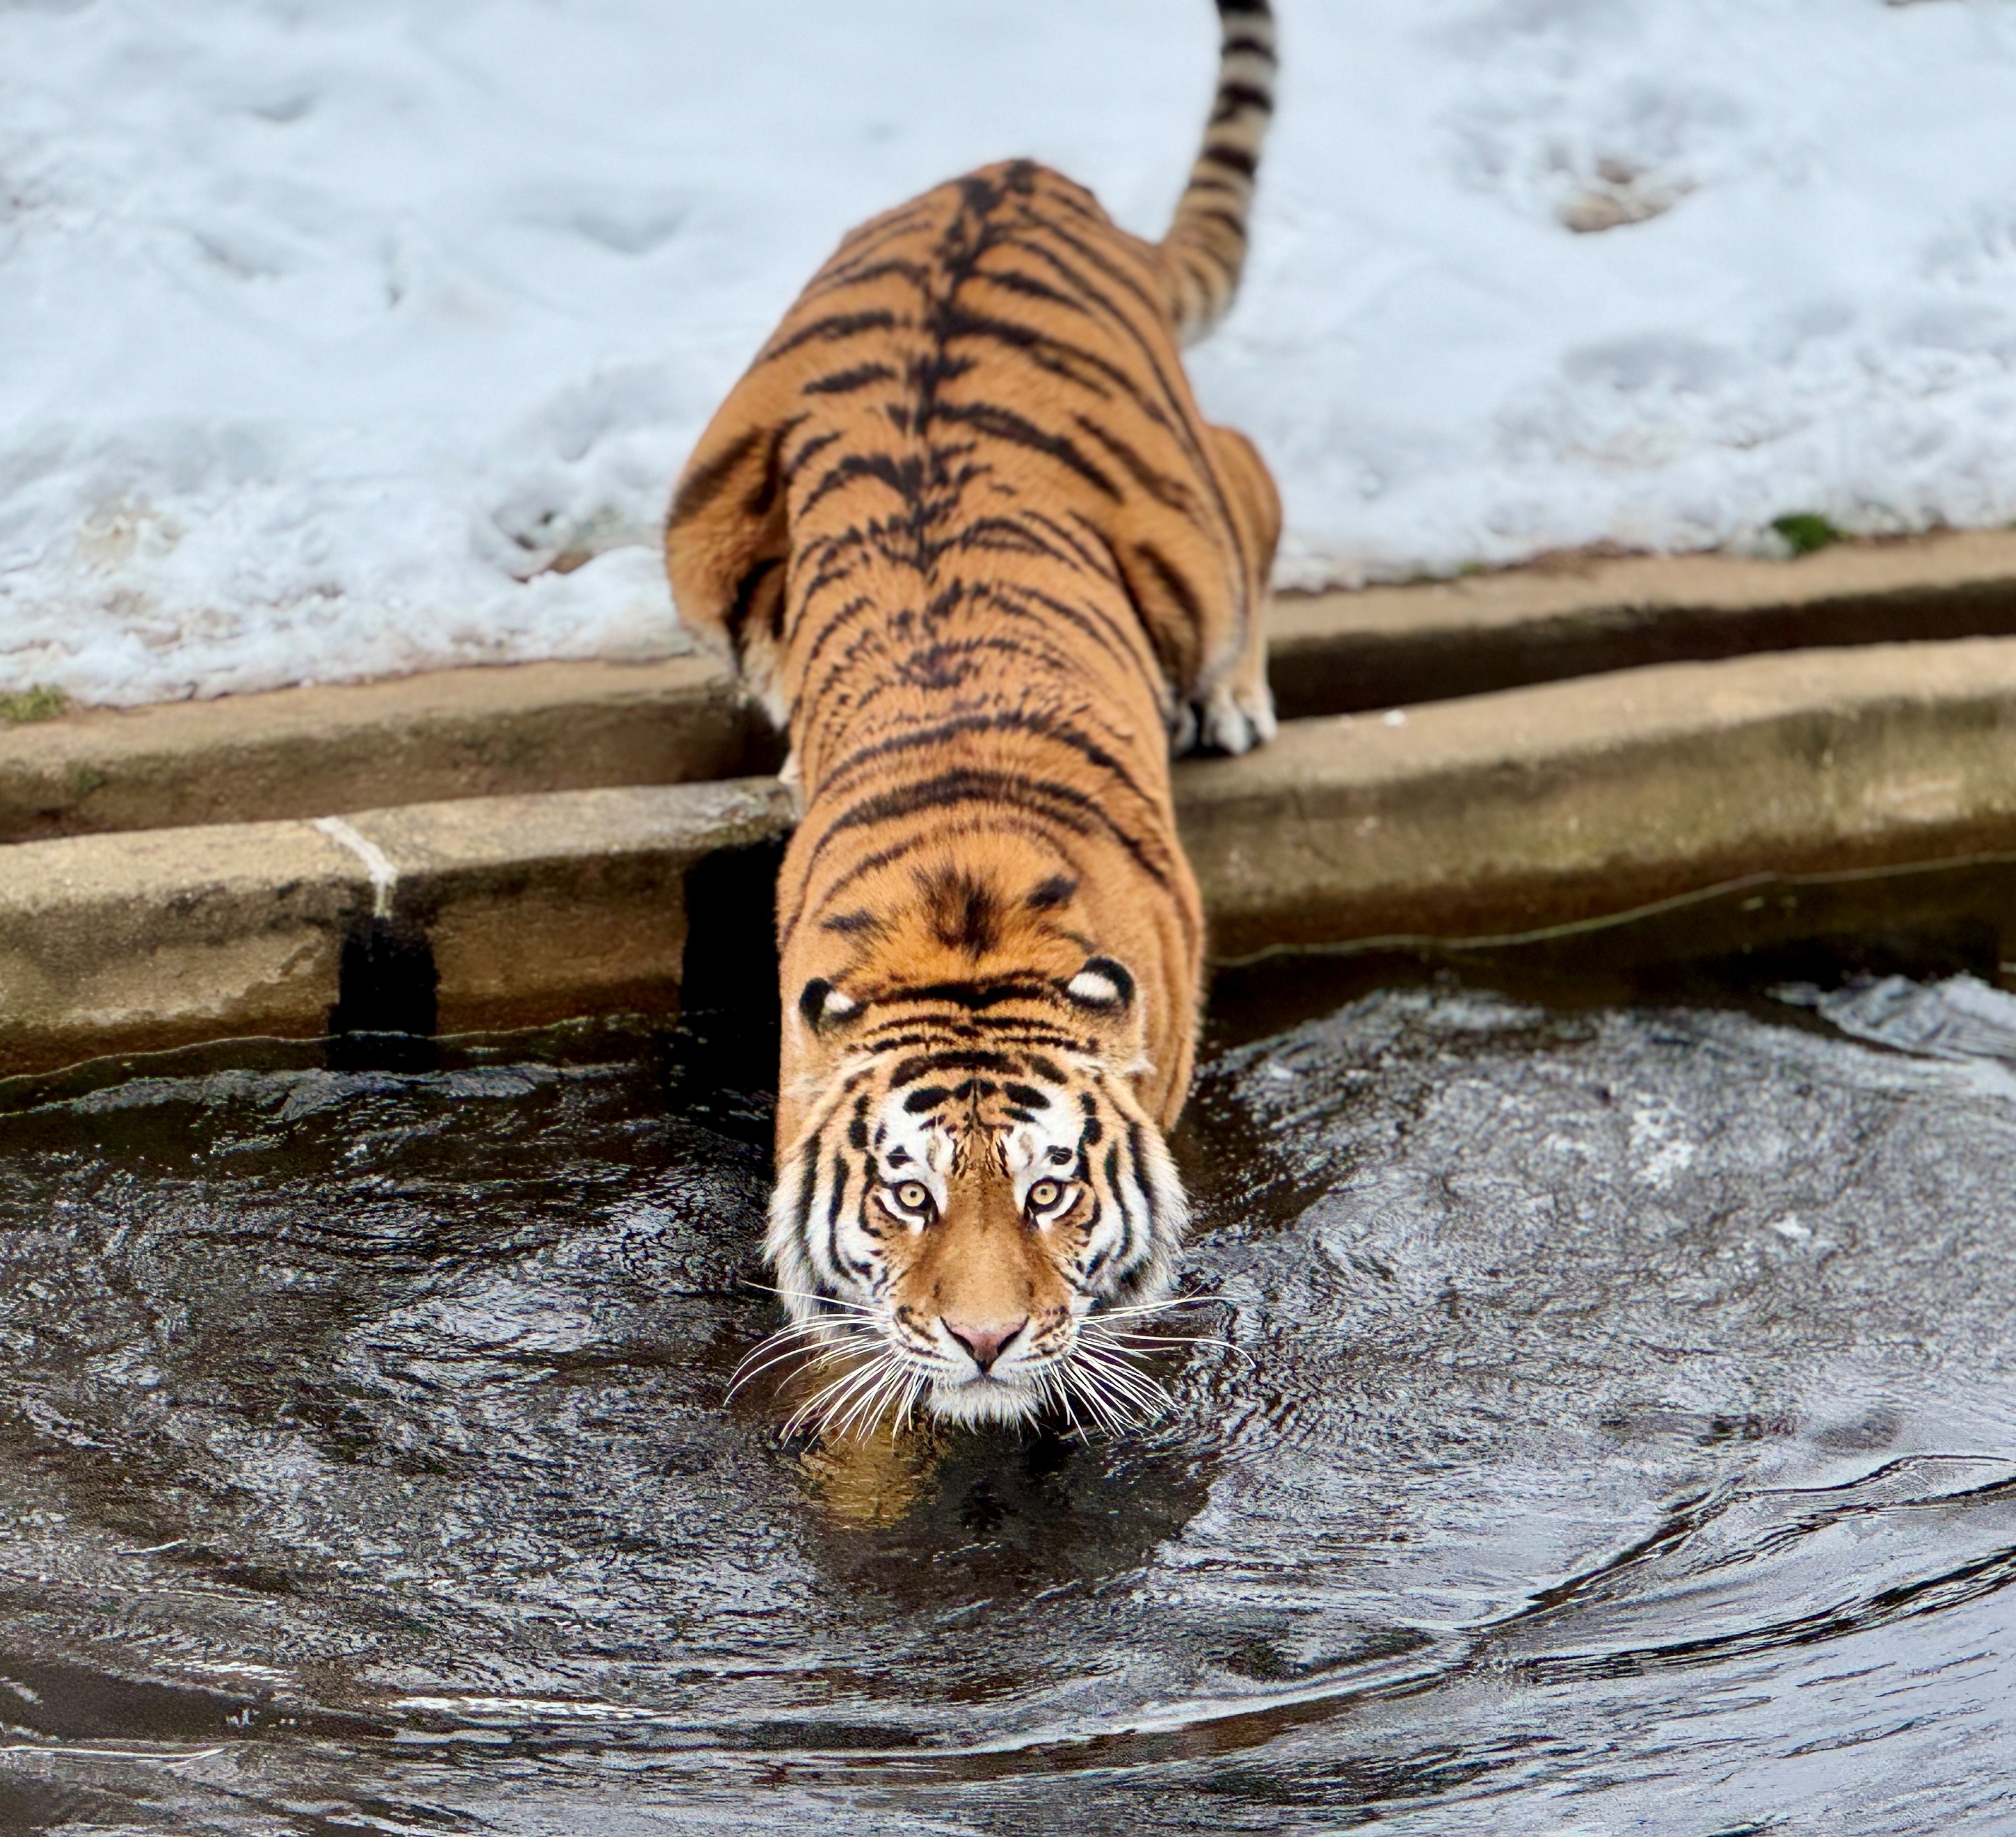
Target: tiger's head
(975, 1202)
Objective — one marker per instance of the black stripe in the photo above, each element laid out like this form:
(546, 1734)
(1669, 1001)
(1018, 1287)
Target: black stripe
(1006, 820)
(1012, 535)
(889, 223)
(818, 444)
(860, 271)
(952, 1062)
(904, 477)
(705, 482)
(830, 330)
(1010, 720)
(1182, 423)
(1063, 804)
(1136, 1149)
(1004, 424)
(1233, 97)
(975, 996)
(846, 382)
(844, 615)
(1027, 1031)
(1098, 556)
(1174, 583)
(745, 601)
(808, 1193)
(1164, 489)
(833, 1217)
(1233, 159)
(1016, 281)
(1103, 300)
(1232, 220)
(1088, 618)
(1045, 347)
(1128, 1233)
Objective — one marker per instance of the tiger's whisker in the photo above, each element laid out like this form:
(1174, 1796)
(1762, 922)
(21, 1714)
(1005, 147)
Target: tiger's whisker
(814, 1356)
(830, 1401)
(861, 1414)
(824, 1401)
(1103, 1337)
(1127, 1382)
(1094, 1401)
(1118, 1313)
(824, 1301)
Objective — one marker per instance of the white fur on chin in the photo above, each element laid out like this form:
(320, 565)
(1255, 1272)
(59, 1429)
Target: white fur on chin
(983, 1400)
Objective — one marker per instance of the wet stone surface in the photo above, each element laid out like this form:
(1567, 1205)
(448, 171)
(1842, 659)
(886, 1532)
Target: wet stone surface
(1597, 1418)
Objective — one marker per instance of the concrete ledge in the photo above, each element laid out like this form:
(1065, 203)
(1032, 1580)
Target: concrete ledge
(1491, 815)
(519, 910)
(175, 935)
(558, 726)
(1575, 615)
(1538, 806)
(449, 734)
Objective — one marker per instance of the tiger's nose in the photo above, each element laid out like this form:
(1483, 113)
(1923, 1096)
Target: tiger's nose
(983, 1340)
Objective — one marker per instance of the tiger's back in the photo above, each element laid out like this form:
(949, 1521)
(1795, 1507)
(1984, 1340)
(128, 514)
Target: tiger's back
(965, 533)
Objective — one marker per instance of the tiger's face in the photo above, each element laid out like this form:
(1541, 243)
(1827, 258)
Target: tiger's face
(954, 1221)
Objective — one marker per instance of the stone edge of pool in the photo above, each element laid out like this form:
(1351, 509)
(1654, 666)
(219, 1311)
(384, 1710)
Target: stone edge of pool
(526, 728)
(1478, 816)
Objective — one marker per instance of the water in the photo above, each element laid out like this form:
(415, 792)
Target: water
(1614, 1435)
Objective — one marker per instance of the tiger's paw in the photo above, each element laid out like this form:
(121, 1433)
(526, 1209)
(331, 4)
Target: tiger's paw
(1235, 719)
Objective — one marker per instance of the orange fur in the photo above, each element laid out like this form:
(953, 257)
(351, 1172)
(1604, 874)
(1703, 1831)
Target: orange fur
(965, 534)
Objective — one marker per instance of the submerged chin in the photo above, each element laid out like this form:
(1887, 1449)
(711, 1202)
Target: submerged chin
(983, 1400)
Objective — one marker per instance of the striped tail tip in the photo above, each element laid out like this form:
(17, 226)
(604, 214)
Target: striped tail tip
(1205, 249)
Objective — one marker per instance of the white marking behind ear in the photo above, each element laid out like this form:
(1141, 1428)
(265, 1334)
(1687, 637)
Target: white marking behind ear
(1095, 988)
(837, 1005)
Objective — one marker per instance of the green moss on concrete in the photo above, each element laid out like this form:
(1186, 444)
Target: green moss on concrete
(1806, 531)
(35, 704)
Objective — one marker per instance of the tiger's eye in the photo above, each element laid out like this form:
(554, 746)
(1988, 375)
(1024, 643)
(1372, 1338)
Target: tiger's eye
(913, 1195)
(1044, 1195)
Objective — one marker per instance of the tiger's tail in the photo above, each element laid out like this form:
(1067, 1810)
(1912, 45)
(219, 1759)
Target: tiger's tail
(1206, 246)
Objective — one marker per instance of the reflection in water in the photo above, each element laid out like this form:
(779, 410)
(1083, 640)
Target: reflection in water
(1614, 1433)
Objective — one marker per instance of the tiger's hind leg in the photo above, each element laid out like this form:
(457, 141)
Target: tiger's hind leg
(1235, 712)
(727, 540)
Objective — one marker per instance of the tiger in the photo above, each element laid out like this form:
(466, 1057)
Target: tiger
(963, 534)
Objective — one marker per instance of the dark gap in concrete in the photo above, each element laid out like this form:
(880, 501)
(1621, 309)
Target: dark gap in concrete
(728, 989)
(1351, 672)
(763, 748)
(386, 1004)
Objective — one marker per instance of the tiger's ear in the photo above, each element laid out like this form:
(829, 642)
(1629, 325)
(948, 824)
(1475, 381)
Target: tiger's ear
(1102, 984)
(823, 1005)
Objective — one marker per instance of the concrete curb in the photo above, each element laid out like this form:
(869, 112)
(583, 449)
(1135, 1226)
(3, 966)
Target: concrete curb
(473, 914)
(1541, 807)
(556, 727)
(1494, 814)
(1576, 615)
(450, 734)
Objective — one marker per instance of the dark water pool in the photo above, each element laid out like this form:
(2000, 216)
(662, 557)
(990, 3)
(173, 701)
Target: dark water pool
(1616, 1434)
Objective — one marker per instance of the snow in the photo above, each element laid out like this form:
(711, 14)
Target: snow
(328, 326)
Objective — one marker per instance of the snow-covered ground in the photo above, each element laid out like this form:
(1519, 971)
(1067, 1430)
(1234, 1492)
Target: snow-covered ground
(326, 326)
